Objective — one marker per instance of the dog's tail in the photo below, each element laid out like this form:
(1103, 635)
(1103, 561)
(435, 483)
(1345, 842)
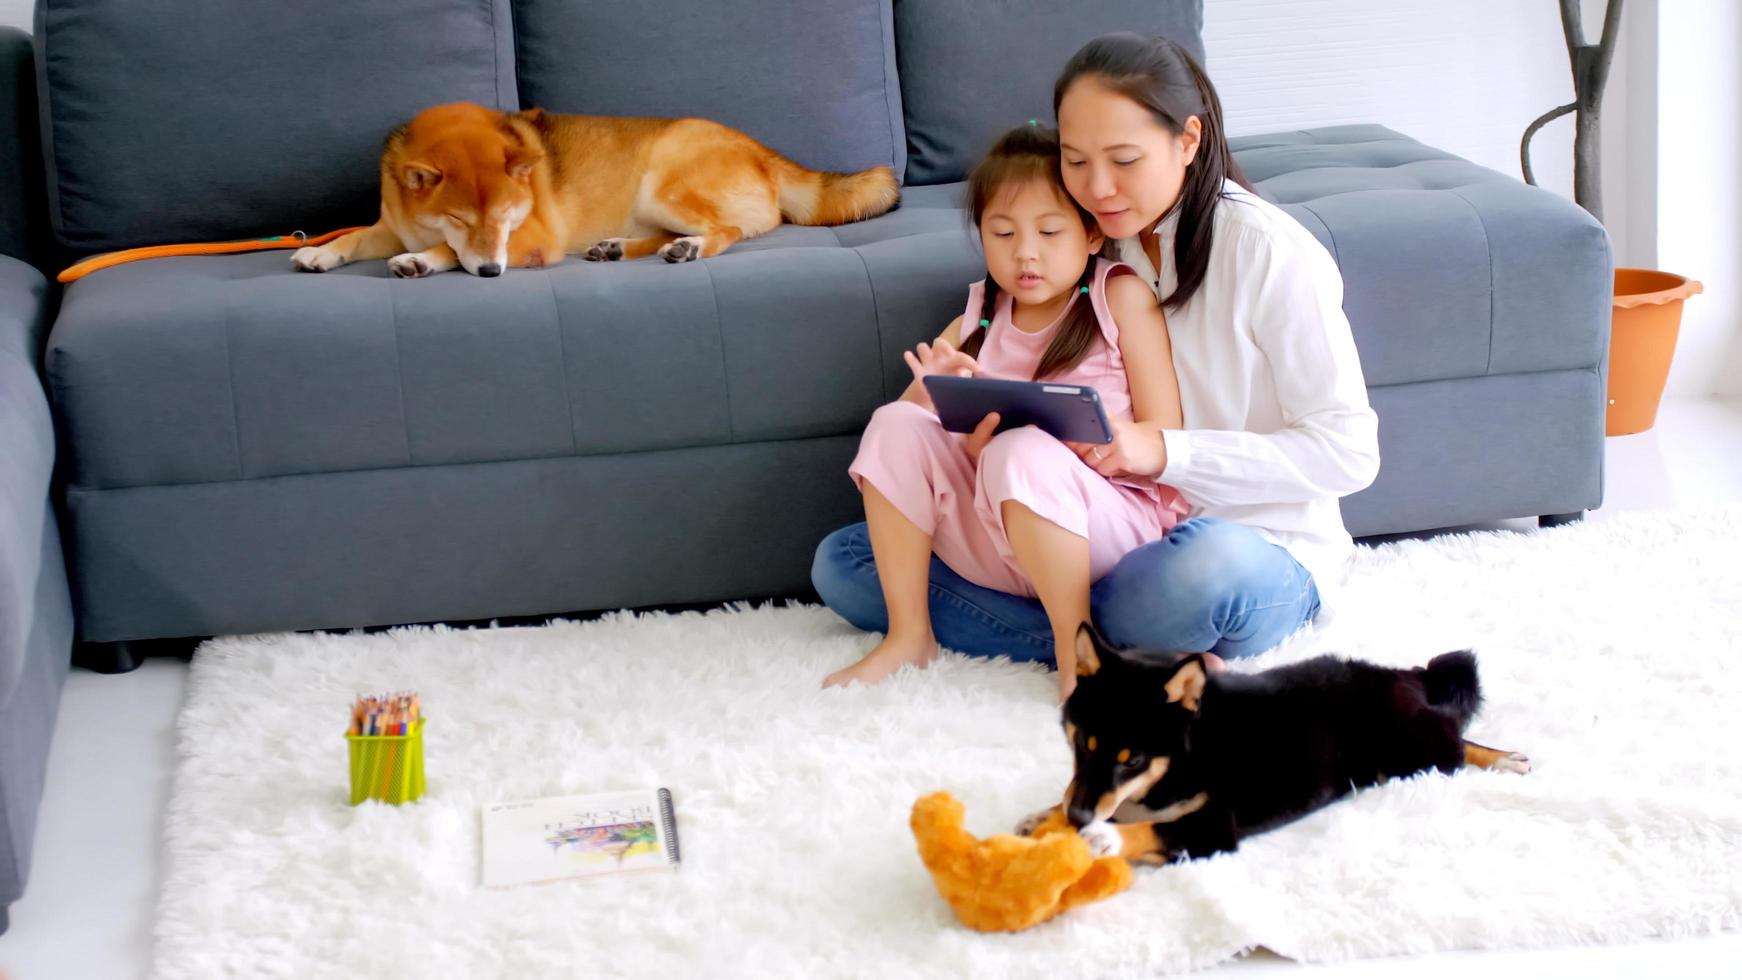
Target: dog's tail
(810, 197)
(1451, 684)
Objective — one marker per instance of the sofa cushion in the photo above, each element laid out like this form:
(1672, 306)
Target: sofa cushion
(1450, 270)
(970, 70)
(816, 83)
(213, 368)
(201, 121)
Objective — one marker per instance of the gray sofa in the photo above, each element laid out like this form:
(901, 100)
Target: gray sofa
(246, 449)
(36, 614)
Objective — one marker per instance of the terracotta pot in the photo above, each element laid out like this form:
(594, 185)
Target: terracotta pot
(1648, 313)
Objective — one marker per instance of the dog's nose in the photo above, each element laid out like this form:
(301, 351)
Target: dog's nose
(1080, 816)
(490, 270)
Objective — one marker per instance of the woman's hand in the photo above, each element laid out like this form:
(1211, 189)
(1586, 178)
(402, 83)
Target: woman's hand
(939, 358)
(1137, 450)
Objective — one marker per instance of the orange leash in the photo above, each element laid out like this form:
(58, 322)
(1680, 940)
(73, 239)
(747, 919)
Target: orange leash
(297, 240)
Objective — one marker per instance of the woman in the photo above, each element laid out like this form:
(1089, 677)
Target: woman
(1276, 422)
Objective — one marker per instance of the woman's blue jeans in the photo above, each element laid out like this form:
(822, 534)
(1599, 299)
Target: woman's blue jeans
(1208, 585)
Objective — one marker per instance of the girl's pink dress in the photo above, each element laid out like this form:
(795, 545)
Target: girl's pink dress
(925, 471)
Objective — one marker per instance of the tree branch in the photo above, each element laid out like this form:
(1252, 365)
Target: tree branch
(1541, 121)
(1572, 25)
(1590, 64)
(1605, 50)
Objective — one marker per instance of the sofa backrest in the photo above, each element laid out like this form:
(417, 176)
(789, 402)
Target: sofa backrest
(23, 218)
(971, 69)
(812, 79)
(205, 120)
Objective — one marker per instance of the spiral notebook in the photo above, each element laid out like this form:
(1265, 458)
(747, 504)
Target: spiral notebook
(579, 836)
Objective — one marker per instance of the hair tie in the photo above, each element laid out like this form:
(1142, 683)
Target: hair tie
(1085, 289)
(985, 323)
(1034, 122)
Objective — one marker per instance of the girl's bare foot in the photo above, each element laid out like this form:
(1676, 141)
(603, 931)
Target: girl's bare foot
(886, 659)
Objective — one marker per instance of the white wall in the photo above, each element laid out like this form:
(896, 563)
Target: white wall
(15, 13)
(1699, 202)
(1466, 77)
(1469, 76)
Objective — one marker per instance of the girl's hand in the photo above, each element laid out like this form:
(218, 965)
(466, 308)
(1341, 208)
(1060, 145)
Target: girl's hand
(1136, 451)
(981, 435)
(939, 358)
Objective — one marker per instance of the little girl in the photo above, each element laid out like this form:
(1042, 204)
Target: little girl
(1020, 512)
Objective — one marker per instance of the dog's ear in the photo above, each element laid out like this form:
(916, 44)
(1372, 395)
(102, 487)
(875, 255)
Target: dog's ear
(1094, 653)
(1088, 651)
(521, 160)
(1186, 686)
(418, 176)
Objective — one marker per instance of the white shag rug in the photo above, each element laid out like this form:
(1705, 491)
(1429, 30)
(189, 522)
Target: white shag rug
(1610, 652)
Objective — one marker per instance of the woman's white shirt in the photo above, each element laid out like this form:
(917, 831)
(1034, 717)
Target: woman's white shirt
(1276, 421)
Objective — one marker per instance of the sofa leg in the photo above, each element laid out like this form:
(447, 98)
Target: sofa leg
(1556, 520)
(122, 656)
(118, 657)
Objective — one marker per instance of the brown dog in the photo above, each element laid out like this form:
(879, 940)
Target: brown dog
(467, 186)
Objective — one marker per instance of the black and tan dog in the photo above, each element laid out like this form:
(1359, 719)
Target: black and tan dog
(1174, 762)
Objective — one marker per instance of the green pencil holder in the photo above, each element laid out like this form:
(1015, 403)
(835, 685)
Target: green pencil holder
(388, 768)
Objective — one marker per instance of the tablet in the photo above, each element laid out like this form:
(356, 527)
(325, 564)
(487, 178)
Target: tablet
(1072, 413)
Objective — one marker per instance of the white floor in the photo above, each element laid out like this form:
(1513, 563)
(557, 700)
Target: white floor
(88, 911)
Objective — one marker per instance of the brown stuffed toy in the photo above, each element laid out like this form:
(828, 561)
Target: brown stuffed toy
(1006, 883)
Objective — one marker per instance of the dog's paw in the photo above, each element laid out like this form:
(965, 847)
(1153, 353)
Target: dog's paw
(682, 250)
(609, 250)
(1104, 838)
(1029, 824)
(409, 265)
(315, 258)
(1512, 762)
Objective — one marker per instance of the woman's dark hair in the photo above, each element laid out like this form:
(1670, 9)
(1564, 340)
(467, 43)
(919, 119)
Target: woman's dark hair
(1031, 153)
(1163, 77)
